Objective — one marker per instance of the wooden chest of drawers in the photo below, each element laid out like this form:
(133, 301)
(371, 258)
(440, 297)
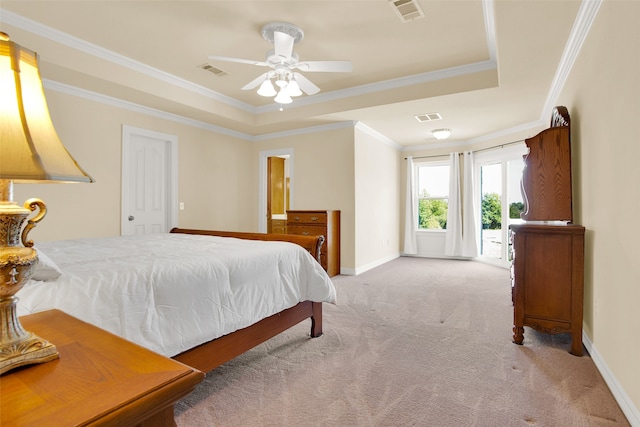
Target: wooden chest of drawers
(547, 280)
(325, 223)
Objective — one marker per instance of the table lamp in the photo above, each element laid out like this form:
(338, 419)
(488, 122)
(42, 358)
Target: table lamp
(30, 152)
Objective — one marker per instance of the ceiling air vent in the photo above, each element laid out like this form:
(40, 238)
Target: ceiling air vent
(217, 71)
(428, 117)
(407, 10)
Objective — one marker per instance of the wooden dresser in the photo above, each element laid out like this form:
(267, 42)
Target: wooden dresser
(547, 280)
(325, 223)
(548, 251)
(99, 379)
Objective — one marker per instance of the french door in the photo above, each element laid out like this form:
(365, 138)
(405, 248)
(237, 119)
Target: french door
(498, 174)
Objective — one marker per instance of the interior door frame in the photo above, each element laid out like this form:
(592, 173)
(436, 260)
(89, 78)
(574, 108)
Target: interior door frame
(171, 141)
(262, 190)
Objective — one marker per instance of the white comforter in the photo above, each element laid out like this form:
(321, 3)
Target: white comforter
(172, 292)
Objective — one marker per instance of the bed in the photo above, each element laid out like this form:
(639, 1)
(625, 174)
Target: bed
(156, 290)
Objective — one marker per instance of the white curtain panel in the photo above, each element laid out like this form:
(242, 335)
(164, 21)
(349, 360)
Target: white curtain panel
(411, 212)
(469, 210)
(453, 237)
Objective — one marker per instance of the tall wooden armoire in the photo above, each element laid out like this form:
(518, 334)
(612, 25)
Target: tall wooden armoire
(547, 249)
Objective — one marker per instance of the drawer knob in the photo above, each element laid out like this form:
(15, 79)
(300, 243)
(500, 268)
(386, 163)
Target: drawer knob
(296, 218)
(305, 233)
(314, 218)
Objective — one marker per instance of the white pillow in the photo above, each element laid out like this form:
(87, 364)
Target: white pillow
(45, 269)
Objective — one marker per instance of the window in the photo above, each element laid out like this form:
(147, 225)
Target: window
(433, 195)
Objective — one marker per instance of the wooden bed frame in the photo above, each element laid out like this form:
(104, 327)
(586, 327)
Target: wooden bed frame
(212, 354)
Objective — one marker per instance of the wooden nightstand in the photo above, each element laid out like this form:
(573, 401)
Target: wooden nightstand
(99, 379)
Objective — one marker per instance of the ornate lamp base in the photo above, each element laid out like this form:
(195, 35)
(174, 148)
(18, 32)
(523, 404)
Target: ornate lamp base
(30, 351)
(17, 346)
(23, 348)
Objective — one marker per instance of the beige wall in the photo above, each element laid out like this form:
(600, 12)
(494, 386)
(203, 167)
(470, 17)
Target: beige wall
(377, 200)
(602, 94)
(216, 175)
(323, 178)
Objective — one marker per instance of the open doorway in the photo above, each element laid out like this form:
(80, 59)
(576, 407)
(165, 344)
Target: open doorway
(278, 182)
(276, 197)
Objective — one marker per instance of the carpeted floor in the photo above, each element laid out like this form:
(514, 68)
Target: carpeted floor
(414, 342)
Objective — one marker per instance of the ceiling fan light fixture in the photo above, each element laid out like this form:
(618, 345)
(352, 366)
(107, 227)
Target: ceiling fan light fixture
(293, 88)
(283, 97)
(441, 133)
(267, 89)
(283, 62)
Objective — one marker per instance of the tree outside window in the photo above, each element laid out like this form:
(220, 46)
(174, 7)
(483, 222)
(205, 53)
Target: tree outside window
(433, 195)
(492, 211)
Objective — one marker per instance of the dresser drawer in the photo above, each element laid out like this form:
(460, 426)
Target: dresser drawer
(307, 230)
(308, 217)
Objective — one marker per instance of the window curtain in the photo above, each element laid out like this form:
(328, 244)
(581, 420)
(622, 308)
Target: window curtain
(453, 237)
(410, 212)
(469, 210)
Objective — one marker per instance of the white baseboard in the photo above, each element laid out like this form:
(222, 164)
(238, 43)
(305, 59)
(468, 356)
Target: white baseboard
(370, 266)
(628, 408)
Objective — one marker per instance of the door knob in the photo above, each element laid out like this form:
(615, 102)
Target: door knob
(131, 217)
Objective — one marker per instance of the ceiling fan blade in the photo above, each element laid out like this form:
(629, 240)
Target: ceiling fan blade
(255, 82)
(326, 66)
(242, 61)
(305, 84)
(283, 44)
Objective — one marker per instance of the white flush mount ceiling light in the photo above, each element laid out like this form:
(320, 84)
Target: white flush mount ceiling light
(282, 82)
(441, 133)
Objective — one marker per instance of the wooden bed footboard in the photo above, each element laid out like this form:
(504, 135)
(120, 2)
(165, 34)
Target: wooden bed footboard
(212, 354)
(311, 243)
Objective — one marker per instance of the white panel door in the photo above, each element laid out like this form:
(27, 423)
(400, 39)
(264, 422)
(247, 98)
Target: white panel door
(146, 183)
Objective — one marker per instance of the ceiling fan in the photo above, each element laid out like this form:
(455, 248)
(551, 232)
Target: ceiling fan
(283, 61)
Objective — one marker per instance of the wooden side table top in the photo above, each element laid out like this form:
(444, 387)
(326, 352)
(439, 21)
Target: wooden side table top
(99, 379)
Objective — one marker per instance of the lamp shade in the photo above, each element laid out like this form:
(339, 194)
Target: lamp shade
(30, 149)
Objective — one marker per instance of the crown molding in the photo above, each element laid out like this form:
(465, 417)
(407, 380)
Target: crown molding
(126, 105)
(584, 19)
(123, 61)
(581, 26)
(484, 138)
(78, 44)
(490, 28)
(377, 135)
(119, 103)
(390, 84)
(306, 130)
